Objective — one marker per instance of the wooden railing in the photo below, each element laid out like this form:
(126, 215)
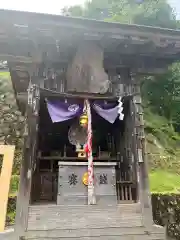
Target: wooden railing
(125, 192)
(125, 185)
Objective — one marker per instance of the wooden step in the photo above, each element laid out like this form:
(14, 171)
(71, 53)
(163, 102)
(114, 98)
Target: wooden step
(83, 217)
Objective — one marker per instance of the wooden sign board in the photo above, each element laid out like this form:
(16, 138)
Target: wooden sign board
(5, 177)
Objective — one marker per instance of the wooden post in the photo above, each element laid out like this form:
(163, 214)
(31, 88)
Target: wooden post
(140, 158)
(5, 179)
(28, 161)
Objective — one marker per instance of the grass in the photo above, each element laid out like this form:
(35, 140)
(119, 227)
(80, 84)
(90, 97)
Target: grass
(4, 74)
(164, 182)
(159, 127)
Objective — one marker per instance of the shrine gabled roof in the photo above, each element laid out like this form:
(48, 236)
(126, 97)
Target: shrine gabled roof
(25, 37)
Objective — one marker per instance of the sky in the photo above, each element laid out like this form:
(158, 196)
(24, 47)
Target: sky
(176, 5)
(55, 6)
(41, 6)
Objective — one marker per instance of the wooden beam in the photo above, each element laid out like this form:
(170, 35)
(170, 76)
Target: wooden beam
(15, 51)
(139, 64)
(50, 93)
(142, 64)
(15, 58)
(143, 70)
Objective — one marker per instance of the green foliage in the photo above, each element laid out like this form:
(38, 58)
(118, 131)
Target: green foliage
(11, 211)
(100, 10)
(11, 120)
(74, 11)
(163, 94)
(160, 127)
(162, 143)
(152, 13)
(14, 185)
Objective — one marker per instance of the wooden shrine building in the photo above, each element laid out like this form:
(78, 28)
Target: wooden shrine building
(84, 170)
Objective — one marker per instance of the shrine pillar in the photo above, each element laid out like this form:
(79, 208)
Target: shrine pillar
(28, 160)
(143, 189)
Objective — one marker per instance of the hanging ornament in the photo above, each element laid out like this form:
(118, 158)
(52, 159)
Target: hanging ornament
(80, 151)
(120, 109)
(85, 179)
(83, 120)
(77, 136)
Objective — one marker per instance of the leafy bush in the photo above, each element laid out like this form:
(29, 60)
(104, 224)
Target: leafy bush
(166, 212)
(11, 211)
(14, 185)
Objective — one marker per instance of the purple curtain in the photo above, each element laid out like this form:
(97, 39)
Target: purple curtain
(60, 111)
(108, 111)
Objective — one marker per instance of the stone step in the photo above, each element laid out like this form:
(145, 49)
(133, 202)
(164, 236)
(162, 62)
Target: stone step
(103, 237)
(122, 222)
(83, 217)
(137, 237)
(123, 208)
(96, 233)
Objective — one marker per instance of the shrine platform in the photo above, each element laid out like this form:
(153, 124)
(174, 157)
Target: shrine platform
(122, 222)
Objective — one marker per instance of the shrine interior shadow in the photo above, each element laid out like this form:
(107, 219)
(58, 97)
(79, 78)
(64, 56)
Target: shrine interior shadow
(111, 143)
